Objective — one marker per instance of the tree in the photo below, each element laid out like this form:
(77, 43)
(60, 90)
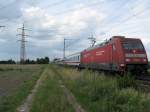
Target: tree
(10, 61)
(42, 60)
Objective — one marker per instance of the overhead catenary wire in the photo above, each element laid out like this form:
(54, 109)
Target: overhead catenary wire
(104, 24)
(74, 9)
(78, 8)
(55, 4)
(115, 17)
(7, 5)
(128, 18)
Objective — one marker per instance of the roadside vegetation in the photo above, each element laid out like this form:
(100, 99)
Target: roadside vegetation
(50, 96)
(98, 93)
(16, 83)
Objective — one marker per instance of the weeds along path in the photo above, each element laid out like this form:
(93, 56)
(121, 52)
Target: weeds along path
(70, 97)
(25, 107)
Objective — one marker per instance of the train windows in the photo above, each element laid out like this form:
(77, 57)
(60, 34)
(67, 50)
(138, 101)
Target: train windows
(133, 45)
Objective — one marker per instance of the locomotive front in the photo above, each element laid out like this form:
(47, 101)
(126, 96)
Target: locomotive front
(135, 56)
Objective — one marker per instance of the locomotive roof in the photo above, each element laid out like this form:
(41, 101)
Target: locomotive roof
(98, 45)
(75, 54)
(101, 44)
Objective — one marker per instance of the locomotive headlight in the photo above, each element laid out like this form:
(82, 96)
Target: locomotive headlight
(128, 60)
(122, 65)
(144, 60)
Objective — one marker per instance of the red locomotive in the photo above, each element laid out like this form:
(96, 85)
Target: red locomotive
(118, 54)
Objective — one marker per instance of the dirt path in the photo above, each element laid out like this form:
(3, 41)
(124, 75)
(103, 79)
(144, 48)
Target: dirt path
(25, 107)
(71, 99)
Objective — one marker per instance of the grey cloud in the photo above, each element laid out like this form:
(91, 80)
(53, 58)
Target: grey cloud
(11, 11)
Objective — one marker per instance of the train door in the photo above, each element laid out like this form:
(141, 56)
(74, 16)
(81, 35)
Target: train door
(110, 56)
(115, 57)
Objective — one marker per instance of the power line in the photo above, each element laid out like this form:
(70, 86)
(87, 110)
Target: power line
(74, 9)
(134, 15)
(129, 18)
(91, 38)
(2, 7)
(121, 6)
(23, 45)
(55, 4)
(78, 8)
(64, 49)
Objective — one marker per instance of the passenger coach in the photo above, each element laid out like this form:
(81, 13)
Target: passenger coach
(73, 60)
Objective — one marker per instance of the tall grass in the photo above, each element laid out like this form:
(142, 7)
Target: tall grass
(98, 93)
(126, 81)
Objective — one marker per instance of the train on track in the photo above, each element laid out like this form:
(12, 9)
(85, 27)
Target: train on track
(118, 54)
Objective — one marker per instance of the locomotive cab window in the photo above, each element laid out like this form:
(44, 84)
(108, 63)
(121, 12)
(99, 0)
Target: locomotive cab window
(133, 45)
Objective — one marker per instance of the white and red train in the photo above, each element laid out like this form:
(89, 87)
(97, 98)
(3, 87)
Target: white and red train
(118, 54)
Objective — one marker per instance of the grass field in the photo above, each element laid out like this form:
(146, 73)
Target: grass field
(16, 81)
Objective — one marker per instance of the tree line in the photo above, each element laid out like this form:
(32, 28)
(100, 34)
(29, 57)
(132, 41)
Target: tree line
(44, 60)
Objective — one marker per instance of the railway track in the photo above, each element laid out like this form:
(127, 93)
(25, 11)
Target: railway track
(144, 80)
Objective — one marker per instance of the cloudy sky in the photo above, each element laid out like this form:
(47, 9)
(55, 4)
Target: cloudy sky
(50, 21)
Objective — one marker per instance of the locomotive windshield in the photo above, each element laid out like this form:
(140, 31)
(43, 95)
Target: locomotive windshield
(133, 45)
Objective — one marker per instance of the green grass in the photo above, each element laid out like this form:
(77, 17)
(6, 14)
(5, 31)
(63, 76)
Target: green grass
(25, 78)
(126, 81)
(98, 93)
(50, 96)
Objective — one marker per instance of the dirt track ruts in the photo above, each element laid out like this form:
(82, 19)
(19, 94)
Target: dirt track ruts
(25, 107)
